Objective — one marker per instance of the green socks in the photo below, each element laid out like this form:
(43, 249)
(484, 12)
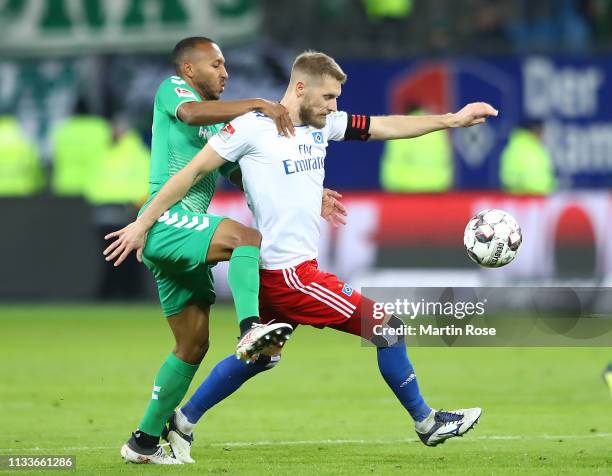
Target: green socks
(171, 384)
(174, 376)
(243, 279)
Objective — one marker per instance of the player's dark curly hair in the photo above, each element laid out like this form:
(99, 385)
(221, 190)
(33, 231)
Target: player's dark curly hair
(183, 47)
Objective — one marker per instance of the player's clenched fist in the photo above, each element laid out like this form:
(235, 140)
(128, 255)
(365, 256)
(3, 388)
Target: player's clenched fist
(472, 114)
(128, 239)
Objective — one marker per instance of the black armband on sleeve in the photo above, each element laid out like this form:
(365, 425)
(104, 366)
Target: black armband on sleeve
(357, 127)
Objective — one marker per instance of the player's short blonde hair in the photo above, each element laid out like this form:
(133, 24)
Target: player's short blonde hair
(315, 63)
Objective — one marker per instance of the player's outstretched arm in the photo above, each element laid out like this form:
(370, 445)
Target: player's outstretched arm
(133, 236)
(405, 127)
(206, 113)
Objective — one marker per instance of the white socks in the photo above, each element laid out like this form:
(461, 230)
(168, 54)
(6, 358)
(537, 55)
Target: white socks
(183, 424)
(425, 425)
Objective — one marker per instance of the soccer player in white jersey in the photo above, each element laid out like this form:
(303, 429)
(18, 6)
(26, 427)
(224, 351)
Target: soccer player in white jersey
(283, 182)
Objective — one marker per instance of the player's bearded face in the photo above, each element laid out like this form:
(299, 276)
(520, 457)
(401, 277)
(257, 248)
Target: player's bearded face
(209, 71)
(210, 91)
(318, 101)
(211, 81)
(312, 115)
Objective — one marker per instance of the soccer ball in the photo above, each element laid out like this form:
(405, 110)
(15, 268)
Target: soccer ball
(492, 238)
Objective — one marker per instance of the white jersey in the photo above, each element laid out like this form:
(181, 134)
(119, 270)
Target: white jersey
(283, 181)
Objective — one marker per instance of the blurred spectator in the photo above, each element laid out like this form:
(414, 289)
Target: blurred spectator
(488, 20)
(388, 23)
(20, 170)
(607, 376)
(526, 166)
(392, 28)
(550, 25)
(381, 9)
(574, 28)
(439, 33)
(78, 145)
(422, 164)
(116, 188)
(599, 14)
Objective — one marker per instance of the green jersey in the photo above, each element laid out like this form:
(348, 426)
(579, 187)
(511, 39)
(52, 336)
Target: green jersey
(175, 143)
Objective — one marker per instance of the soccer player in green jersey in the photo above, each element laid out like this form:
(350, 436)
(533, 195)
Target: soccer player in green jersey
(186, 241)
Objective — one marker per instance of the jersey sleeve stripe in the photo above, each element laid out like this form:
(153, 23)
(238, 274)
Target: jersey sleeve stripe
(181, 103)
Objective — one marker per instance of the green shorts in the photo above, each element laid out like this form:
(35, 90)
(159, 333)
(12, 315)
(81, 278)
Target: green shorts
(175, 253)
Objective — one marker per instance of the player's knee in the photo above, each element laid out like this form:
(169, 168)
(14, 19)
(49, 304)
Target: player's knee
(391, 333)
(192, 352)
(249, 237)
(242, 236)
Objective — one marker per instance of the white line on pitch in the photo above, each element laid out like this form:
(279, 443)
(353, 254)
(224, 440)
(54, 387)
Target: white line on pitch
(237, 444)
(405, 440)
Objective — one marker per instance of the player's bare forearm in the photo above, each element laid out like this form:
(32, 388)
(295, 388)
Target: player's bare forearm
(406, 127)
(172, 191)
(179, 184)
(133, 236)
(206, 113)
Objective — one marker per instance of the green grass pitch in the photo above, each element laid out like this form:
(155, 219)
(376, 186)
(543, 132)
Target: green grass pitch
(74, 380)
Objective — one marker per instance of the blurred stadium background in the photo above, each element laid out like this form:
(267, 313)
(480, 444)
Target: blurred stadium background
(77, 79)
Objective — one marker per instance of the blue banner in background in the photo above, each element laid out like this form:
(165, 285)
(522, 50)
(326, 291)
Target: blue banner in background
(570, 95)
